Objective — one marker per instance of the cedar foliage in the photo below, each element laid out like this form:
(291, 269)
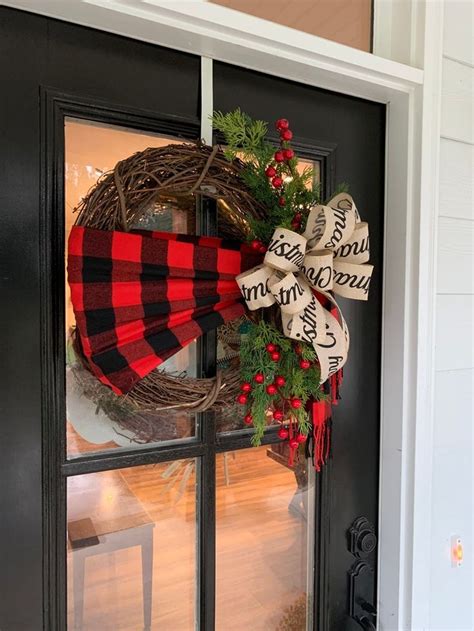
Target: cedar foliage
(299, 383)
(246, 137)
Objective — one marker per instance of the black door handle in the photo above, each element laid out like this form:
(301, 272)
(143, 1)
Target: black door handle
(366, 623)
(368, 607)
(362, 595)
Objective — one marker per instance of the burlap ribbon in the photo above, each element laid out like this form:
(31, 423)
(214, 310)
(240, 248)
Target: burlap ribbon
(330, 256)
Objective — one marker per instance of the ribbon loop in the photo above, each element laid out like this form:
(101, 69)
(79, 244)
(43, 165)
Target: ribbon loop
(254, 287)
(286, 250)
(299, 271)
(318, 269)
(292, 294)
(356, 249)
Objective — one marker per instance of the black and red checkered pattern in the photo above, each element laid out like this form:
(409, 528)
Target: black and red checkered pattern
(139, 297)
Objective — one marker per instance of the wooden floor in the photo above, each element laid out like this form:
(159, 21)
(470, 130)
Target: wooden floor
(261, 549)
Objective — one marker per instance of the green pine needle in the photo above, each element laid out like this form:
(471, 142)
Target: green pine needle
(299, 383)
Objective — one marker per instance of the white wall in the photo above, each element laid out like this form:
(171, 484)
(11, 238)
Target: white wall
(451, 589)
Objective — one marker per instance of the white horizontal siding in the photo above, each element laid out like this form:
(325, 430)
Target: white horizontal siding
(451, 608)
(456, 101)
(451, 588)
(454, 401)
(451, 500)
(454, 332)
(458, 30)
(456, 174)
(455, 256)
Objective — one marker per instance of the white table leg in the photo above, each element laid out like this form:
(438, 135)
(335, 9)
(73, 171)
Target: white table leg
(78, 566)
(147, 577)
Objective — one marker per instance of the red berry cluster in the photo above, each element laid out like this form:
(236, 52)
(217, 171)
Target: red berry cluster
(281, 156)
(273, 351)
(296, 222)
(295, 441)
(272, 389)
(258, 246)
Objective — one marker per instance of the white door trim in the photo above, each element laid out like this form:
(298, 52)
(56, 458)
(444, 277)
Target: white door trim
(410, 236)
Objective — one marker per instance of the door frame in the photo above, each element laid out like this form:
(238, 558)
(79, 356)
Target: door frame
(413, 109)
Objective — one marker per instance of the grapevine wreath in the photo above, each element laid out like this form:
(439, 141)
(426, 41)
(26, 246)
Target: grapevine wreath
(267, 283)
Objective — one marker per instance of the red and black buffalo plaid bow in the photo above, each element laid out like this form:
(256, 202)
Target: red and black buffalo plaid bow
(140, 297)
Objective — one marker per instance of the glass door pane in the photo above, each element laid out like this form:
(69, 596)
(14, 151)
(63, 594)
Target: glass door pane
(131, 548)
(98, 420)
(264, 545)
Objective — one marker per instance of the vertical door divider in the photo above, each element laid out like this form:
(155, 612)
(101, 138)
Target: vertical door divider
(206, 495)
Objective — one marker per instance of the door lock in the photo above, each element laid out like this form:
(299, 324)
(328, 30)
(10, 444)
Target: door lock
(362, 539)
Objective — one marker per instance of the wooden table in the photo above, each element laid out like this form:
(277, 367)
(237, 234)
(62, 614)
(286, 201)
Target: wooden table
(104, 516)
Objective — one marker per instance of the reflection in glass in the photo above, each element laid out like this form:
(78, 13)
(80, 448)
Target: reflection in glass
(131, 548)
(264, 545)
(96, 420)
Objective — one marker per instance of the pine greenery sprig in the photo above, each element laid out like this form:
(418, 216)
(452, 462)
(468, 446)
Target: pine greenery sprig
(299, 383)
(246, 138)
(242, 134)
(288, 193)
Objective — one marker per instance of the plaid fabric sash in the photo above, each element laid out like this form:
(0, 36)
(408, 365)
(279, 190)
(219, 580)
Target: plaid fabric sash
(140, 297)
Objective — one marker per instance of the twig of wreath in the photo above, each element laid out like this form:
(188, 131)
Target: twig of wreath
(135, 188)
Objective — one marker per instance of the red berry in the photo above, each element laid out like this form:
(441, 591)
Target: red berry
(270, 171)
(255, 245)
(279, 156)
(275, 356)
(294, 444)
(259, 377)
(305, 364)
(281, 201)
(248, 420)
(300, 438)
(242, 399)
(282, 123)
(277, 181)
(271, 389)
(298, 217)
(262, 249)
(246, 387)
(278, 415)
(286, 134)
(280, 381)
(298, 349)
(295, 403)
(283, 433)
(270, 347)
(289, 153)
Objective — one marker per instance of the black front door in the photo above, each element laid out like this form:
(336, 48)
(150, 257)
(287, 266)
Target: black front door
(189, 526)
(349, 135)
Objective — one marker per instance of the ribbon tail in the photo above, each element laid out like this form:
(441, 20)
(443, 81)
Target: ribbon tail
(291, 457)
(321, 413)
(335, 384)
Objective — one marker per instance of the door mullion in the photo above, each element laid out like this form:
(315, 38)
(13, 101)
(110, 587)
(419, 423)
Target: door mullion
(207, 527)
(206, 493)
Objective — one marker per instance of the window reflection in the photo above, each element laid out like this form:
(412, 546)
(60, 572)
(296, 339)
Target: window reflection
(131, 548)
(264, 544)
(97, 421)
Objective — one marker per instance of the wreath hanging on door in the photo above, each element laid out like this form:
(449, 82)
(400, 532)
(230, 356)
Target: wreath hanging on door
(139, 296)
